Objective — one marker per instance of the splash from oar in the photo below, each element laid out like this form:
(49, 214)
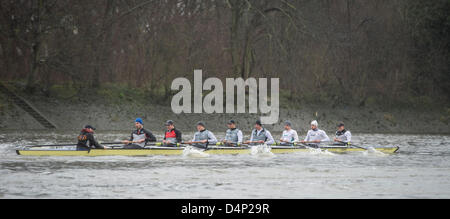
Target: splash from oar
(373, 151)
(191, 151)
(262, 151)
(318, 151)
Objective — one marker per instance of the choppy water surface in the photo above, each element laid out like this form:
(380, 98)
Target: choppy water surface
(420, 170)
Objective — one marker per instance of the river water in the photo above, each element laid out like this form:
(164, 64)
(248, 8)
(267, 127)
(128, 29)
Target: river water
(421, 169)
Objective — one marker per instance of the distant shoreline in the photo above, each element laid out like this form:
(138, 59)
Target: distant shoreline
(72, 115)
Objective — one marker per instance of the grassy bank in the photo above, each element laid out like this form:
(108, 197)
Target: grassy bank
(114, 107)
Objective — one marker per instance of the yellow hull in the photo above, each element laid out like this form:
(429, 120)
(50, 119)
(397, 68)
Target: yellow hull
(179, 151)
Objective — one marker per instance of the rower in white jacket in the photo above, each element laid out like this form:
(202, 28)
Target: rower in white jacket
(315, 135)
(289, 136)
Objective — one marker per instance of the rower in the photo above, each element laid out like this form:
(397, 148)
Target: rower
(315, 135)
(87, 134)
(260, 135)
(172, 136)
(343, 136)
(139, 137)
(233, 136)
(289, 136)
(203, 137)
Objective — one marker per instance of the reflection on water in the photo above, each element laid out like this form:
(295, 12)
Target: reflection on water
(420, 170)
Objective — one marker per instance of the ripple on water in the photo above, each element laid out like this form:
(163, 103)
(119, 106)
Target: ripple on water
(421, 169)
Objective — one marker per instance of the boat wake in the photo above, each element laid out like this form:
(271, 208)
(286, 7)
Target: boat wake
(373, 151)
(318, 151)
(190, 151)
(261, 151)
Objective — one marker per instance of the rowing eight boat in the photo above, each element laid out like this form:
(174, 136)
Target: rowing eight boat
(158, 150)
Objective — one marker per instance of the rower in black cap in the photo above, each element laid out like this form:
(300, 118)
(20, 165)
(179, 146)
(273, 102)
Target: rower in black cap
(87, 135)
(203, 137)
(260, 135)
(172, 136)
(343, 136)
(233, 136)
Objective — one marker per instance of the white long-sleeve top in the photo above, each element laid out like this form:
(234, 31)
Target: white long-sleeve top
(346, 137)
(314, 135)
(240, 136)
(290, 136)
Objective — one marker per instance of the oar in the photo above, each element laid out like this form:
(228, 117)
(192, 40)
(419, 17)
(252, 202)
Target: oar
(312, 142)
(227, 144)
(197, 142)
(51, 145)
(284, 143)
(305, 145)
(194, 142)
(294, 144)
(120, 144)
(253, 142)
(62, 145)
(356, 146)
(232, 145)
(134, 142)
(351, 145)
(164, 144)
